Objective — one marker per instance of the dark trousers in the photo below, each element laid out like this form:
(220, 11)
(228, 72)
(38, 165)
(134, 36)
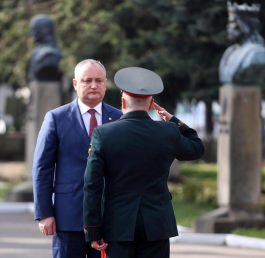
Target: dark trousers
(72, 244)
(139, 249)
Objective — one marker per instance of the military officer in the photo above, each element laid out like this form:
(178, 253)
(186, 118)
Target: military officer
(128, 166)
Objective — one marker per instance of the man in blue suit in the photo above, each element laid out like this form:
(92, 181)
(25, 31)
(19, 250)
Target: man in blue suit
(60, 161)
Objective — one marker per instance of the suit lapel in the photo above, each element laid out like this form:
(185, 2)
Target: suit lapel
(77, 121)
(106, 114)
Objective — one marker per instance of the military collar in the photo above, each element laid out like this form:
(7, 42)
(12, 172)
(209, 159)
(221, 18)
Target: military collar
(136, 114)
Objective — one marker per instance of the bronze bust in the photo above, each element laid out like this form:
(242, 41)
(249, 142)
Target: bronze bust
(244, 60)
(44, 63)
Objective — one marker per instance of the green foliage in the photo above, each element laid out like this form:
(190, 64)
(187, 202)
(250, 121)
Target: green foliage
(16, 108)
(5, 187)
(181, 40)
(194, 39)
(2, 191)
(187, 211)
(199, 183)
(197, 194)
(191, 190)
(13, 44)
(204, 172)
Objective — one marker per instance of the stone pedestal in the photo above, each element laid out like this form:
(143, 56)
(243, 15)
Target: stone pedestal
(239, 162)
(239, 148)
(44, 97)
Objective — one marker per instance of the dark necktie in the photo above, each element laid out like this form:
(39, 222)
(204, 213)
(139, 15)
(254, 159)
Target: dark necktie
(93, 121)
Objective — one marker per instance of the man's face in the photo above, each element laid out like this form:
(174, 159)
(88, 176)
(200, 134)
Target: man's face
(90, 84)
(233, 30)
(237, 30)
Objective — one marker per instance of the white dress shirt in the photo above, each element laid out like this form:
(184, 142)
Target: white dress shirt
(86, 116)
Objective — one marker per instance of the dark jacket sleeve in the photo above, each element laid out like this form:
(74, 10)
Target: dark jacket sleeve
(93, 190)
(191, 145)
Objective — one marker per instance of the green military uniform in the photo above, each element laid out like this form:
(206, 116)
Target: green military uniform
(129, 165)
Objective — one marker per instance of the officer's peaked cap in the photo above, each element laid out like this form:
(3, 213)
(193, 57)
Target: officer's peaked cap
(137, 81)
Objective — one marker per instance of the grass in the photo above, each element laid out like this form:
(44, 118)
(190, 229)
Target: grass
(201, 171)
(206, 172)
(187, 211)
(2, 192)
(197, 194)
(254, 232)
(5, 187)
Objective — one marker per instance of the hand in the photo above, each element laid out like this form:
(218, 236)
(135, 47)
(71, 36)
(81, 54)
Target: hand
(99, 245)
(162, 112)
(47, 226)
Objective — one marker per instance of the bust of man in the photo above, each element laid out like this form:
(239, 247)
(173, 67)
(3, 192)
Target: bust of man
(44, 63)
(244, 61)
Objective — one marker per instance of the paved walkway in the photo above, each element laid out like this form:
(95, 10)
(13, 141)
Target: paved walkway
(206, 251)
(20, 238)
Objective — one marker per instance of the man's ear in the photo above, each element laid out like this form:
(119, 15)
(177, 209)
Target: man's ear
(151, 104)
(74, 83)
(123, 103)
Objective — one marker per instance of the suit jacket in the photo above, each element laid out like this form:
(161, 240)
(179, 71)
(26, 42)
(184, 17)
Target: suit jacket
(59, 165)
(132, 157)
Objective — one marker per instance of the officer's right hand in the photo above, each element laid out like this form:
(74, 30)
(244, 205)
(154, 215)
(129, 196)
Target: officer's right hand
(162, 112)
(99, 245)
(47, 226)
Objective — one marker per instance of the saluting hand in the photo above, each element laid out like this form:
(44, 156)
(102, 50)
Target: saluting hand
(162, 112)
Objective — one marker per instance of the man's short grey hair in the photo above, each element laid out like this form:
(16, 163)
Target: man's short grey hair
(132, 102)
(89, 61)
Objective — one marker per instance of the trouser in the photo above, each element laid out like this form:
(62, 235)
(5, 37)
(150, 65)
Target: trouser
(139, 249)
(72, 244)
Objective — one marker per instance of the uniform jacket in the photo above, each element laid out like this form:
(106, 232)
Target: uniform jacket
(132, 158)
(59, 165)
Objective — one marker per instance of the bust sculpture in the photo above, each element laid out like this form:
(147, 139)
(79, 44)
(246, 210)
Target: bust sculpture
(44, 63)
(244, 61)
